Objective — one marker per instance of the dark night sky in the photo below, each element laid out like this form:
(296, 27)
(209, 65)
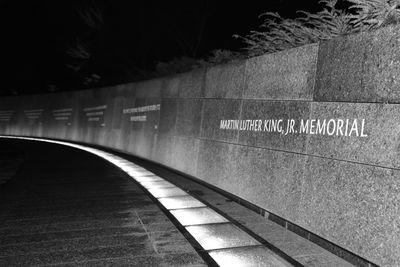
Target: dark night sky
(134, 36)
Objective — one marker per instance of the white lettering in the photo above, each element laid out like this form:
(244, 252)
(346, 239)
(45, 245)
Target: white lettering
(304, 127)
(138, 118)
(362, 128)
(354, 128)
(312, 126)
(338, 127)
(321, 127)
(95, 108)
(279, 126)
(333, 123)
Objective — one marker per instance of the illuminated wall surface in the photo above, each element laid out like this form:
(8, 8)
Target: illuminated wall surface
(311, 134)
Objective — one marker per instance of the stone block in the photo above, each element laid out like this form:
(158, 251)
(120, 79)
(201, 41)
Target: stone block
(132, 129)
(123, 90)
(135, 125)
(269, 179)
(132, 142)
(148, 89)
(168, 113)
(115, 139)
(144, 144)
(115, 114)
(32, 115)
(275, 121)
(147, 133)
(127, 103)
(164, 149)
(185, 154)
(266, 178)
(189, 117)
(151, 126)
(170, 87)
(166, 130)
(363, 67)
(212, 163)
(93, 109)
(284, 75)
(354, 206)
(216, 110)
(225, 81)
(191, 84)
(62, 113)
(152, 115)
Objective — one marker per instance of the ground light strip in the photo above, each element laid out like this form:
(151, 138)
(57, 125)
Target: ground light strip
(205, 225)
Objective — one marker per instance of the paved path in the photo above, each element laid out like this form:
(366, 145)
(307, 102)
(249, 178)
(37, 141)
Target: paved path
(68, 207)
(10, 159)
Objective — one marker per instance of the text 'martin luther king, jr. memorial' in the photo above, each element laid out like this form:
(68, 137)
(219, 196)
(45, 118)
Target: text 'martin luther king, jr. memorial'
(310, 135)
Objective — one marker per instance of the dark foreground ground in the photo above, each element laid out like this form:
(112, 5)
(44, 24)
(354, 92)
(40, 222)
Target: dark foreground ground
(68, 207)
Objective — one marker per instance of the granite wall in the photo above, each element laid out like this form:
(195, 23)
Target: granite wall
(310, 134)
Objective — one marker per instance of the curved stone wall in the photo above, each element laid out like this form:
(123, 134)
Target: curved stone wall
(310, 134)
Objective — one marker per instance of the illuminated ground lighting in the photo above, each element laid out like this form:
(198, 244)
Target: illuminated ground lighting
(180, 202)
(247, 256)
(217, 236)
(226, 244)
(142, 179)
(198, 216)
(157, 184)
(167, 192)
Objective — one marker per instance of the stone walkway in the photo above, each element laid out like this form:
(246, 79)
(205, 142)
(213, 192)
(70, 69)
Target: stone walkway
(67, 207)
(10, 160)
